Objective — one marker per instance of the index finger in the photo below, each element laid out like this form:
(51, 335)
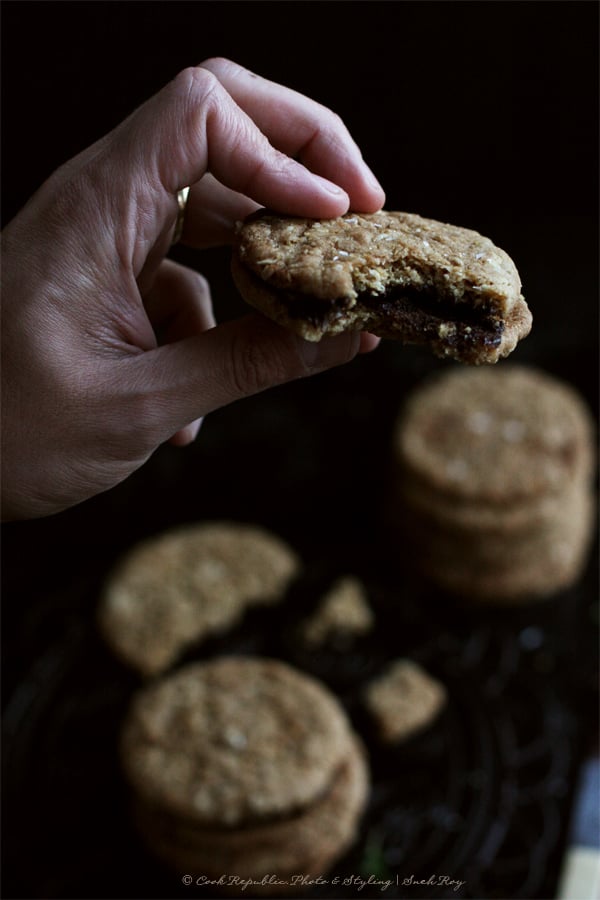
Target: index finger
(302, 128)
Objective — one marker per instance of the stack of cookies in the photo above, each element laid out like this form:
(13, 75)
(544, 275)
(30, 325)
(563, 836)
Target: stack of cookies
(173, 590)
(493, 474)
(245, 774)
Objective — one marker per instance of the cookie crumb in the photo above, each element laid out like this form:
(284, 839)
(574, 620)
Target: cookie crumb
(403, 700)
(343, 615)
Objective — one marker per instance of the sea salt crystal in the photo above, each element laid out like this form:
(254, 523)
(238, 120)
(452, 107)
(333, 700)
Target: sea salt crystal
(235, 738)
(479, 422)
(457, 469)
(513, 431)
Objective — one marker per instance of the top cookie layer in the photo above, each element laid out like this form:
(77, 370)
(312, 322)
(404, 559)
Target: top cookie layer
(512, 434)
(235, 741)
(333, 259)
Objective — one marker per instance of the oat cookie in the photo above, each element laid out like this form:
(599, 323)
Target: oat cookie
(395, 274)
(244, 766)
(305, 843)
(182, 585)
(502, 436)
(234, 740)
(493, 483)
(403, 700)
(554, 563)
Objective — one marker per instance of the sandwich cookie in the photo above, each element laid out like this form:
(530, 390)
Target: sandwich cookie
(395, 274)
(244, 767)
(492, 482)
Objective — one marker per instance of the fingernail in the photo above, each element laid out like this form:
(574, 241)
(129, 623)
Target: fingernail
(371, 179)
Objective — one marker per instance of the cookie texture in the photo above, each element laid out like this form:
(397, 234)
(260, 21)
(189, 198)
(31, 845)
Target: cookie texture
(507, 435)
(234, 740)
(493, 482)
(305, 843)
(342, 615)
(244, 766)
(183, 585)
(403, 700)
(396, 274)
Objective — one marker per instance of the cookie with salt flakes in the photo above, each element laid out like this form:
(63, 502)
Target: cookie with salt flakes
(194, 581)
(395, 274)
(244, 766)
(492, 482)
(501, 437)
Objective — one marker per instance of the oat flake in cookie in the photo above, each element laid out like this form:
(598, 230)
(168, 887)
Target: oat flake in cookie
(177, 588)
(244, 766)
(395, 274)
(493, 483)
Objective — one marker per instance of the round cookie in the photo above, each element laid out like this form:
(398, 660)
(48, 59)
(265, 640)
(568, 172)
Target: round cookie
(306, 843)
(467, 516)
(180, 586)
(396, 274)
(503, 436)
(504, 546)
(244, 768)
(234, 740)
(553, 565)
(492, 483)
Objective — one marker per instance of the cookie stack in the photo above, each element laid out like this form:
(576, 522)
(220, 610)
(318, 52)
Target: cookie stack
(183, 585)
(493, 475)
(244, 771)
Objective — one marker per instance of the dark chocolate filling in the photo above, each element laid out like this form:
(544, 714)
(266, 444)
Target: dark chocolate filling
(409, 308)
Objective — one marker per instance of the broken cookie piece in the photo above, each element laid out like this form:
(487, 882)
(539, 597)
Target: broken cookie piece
(403, 700)
(395, 274)
(343, 615)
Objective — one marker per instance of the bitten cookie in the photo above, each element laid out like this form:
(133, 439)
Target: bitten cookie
(185, 584)
(244, 766)
(493, 482)
(395, 274)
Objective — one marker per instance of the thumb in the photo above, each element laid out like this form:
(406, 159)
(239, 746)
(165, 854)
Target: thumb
(187, 380)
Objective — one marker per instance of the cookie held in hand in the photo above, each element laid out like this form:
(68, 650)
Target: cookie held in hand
(395, 274)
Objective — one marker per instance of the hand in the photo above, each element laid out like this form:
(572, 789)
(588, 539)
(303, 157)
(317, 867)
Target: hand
(88, 390)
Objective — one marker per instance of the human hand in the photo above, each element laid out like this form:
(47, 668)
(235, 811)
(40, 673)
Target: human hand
(88, 390)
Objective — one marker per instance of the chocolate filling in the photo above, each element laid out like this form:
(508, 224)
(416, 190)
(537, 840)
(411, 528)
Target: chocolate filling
(409, 310)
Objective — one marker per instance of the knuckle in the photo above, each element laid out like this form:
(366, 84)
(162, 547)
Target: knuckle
(200, 284)
(255, 366)
(334, 121)
(218, 64)
(195, 282)
(195, 85)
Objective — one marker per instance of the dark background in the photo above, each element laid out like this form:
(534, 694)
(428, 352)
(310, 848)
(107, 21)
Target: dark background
(480, 114)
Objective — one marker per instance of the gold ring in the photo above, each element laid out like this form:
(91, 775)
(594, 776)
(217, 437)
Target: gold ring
(182, 200)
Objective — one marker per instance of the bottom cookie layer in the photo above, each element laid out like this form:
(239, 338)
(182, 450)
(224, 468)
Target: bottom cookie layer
(274, 858)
